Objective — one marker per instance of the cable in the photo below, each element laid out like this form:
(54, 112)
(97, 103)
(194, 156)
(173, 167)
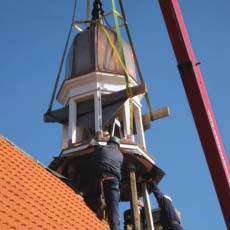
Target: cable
(62, 60)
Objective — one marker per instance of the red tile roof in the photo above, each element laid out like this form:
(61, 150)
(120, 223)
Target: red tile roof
(33, 198)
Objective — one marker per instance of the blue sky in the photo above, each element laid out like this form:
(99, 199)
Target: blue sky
(33, 34)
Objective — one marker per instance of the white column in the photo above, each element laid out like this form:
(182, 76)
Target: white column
(147, 205)
(72, 130)
(64, 135)
(139, 126)
(126, 118)
(98, 111)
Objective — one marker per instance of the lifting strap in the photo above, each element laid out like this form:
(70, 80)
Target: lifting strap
(120, 46)
(121, 58)
(129, 89)
(116, 52)
(134, 54)
(128, 85)
(62, 60)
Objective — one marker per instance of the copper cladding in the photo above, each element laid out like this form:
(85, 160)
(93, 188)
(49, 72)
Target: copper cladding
(91, 52)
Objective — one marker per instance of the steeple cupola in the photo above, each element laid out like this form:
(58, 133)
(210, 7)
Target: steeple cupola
(101, 97)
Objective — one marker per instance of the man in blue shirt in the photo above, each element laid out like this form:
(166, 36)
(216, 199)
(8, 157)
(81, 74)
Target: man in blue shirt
(108, 160)
(169, 219)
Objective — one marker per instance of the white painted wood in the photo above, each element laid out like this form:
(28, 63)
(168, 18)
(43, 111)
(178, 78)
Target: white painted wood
(78, 134)
(147, 205)
(72, 130)
(125, 148)
(98, 111)
(77, 91)
(126, 119)
(84, 96)
(139, 126)
(64, 135)
(89, 82)
(112, 88)
(136, 101)
(124, 122)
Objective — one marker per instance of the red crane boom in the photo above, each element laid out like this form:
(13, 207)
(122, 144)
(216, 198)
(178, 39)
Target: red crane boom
(199, 103)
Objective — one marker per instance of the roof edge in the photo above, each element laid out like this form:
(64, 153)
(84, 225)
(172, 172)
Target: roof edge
(56, 174)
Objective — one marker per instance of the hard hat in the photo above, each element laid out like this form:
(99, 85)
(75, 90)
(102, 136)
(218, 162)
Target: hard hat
(115, 139)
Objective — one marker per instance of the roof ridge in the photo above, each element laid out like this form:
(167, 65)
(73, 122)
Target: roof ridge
(21, 150)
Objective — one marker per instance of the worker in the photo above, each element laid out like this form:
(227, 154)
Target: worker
(107, 163)
(169, 219)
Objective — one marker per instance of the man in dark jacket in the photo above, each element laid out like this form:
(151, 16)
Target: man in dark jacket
(168, 217)
(107, 162)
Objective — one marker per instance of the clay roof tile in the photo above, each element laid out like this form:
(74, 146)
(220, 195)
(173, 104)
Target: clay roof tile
(33, 198)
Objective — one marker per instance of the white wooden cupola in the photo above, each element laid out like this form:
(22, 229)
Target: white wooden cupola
(93, 72)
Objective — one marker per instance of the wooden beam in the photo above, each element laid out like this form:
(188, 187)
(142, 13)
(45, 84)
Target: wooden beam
(134, 199)
(154, 115)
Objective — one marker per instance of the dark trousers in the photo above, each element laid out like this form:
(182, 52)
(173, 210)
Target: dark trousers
(112, 198)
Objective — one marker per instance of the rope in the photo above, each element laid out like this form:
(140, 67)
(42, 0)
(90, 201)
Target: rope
(62, 60)
(134, 54)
